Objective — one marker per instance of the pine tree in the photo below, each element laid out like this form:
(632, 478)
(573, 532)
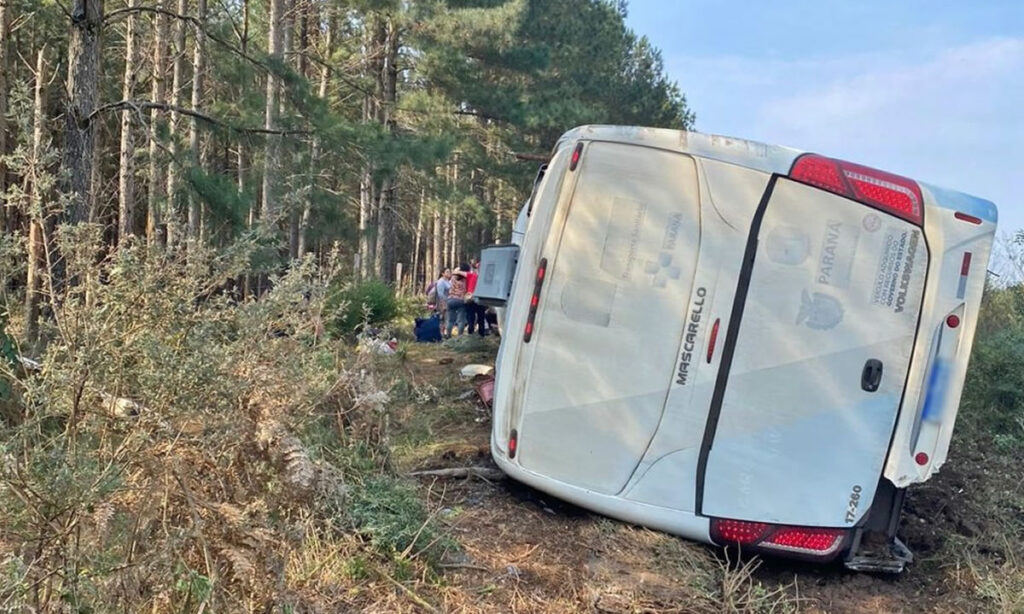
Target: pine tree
(5, 223)
(175, 227)
(198, 85)
(126, 168)
(271, 207)
(37, 207)
(157, 193)
(83, 91)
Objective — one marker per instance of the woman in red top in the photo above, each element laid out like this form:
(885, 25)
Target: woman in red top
(457, 301)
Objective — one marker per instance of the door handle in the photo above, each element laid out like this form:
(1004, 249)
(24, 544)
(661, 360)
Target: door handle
(871, 376)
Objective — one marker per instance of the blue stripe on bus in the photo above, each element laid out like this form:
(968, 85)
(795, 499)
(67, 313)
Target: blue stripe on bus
(936, 392)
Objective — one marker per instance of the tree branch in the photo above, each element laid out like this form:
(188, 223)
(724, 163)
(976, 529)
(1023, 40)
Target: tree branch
(144, 105)
(65, 10)
(481, 115)
(116, 14)
(533, 157)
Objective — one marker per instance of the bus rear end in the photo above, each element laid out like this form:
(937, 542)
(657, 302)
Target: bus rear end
(762, 350)
(844, 360)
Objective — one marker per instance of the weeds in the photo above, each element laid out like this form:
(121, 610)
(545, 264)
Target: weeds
(181, 446)
(391, 514)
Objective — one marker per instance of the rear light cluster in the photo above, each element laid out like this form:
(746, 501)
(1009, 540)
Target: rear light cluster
(535, 300)
(966, 217)
(886, 191)
(576, 153)
(816, 542)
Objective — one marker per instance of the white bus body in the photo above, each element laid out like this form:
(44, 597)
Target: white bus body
(736, 342)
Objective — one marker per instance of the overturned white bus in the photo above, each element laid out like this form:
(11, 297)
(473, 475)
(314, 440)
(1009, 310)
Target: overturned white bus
(734, 342)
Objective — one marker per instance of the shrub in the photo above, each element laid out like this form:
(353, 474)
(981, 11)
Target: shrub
(994, 391)
(366, 302)
(391, 514)
(165, 426)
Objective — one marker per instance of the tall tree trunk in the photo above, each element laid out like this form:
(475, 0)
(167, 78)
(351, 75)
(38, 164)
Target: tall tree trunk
(198, 81)
(37, 215)
(126, 168)
(315, 153)
(156, 168)
(289, 54)
(367, 225)
(5, 213)
(97, 212)
(271, 210)
(388, 88)
(452, 244)
(436, 245)
(174, 222)
(418, 241)
(446, 236)
(375, 37)
(385, 255)
(499, 222)
(83, 82)
(246, 281)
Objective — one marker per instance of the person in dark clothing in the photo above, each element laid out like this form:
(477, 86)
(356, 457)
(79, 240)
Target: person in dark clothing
(475, 312)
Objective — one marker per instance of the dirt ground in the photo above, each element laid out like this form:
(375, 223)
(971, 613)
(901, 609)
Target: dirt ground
(523, 551)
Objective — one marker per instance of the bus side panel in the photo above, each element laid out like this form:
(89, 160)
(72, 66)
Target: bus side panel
(610, 320)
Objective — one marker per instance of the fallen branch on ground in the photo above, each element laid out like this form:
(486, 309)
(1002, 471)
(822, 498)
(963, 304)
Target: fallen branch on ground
(485, 473)
(420, 601)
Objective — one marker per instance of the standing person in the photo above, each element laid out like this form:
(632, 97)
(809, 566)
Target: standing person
(457, 301)
(475, 312)
(437, 295)
(441, 288)
(431, 296)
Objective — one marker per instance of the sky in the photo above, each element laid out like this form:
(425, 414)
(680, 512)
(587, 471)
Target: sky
(929, 89)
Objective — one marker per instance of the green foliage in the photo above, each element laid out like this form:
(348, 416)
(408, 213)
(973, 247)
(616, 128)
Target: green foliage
(193, 587)
(223, 200)
(993, 399)
(355, 304)
(8, 357)
(392, 515)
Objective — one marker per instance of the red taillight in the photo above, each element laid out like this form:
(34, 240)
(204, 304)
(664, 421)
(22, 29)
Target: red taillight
(805, 540)
(712, 339)
(970, 219)
(810, 541)
(513, 442)
(535, 300)
(820, 172)
(737, 531)
(952, 321)
(576, 153)
(886, 191)
(921, 458)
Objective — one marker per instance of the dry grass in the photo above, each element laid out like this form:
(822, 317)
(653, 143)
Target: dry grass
(252, 436)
